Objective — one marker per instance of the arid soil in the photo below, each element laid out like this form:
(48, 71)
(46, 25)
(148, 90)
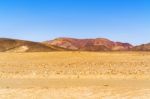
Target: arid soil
(75, 75)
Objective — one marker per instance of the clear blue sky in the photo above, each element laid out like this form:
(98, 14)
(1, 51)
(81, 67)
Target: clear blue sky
(39, 20)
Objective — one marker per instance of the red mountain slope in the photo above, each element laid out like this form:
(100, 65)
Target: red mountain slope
(98, 44)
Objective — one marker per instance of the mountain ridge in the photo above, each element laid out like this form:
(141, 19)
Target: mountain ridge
(68, 44)
(142, 47)
(16, 45)
(97, 44)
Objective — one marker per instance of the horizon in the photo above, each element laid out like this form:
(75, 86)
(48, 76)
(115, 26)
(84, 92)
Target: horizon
(39, 20)
(73, 38)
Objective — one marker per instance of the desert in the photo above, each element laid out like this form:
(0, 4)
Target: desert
(74, 49)
(75, 75)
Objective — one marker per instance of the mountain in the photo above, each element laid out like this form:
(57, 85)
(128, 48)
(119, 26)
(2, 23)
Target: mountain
(65, 44)
(98, 44)
(143, 47)
(14, 45)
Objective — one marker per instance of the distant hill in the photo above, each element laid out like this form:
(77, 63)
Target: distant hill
(14, 45)
(98, 44)
(68, 44)
(143, 47)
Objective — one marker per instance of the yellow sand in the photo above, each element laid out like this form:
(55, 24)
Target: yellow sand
(75, 75)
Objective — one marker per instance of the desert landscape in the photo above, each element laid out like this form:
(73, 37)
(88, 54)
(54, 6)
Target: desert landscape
(75, 75)
(74, 49)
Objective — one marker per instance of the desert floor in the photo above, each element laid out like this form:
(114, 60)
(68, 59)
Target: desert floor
(75, 75)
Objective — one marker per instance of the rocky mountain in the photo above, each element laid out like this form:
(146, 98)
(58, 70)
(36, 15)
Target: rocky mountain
(64, 44)
(14, 45)
(143, 47)
(98, 44)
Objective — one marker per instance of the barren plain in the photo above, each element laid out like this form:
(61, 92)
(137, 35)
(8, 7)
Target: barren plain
(75, 75)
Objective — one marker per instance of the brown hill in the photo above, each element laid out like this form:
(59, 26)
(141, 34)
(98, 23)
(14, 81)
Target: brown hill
(14, 45)
(98, 44)
(143, 47)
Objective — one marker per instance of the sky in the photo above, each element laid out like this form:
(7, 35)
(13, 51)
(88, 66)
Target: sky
(40, 20)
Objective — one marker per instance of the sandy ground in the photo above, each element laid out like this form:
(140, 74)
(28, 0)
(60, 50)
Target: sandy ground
(75, 75)
(74, 89)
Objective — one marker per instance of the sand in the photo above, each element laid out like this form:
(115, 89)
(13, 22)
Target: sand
(75, 75)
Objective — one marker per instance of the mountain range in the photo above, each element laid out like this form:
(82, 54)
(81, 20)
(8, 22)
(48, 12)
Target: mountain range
(68, 44)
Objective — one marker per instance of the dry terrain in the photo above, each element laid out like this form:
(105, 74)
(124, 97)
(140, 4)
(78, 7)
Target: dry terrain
(75, 75)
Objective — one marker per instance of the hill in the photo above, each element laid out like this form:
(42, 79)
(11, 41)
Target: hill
(143, 47)
(14, 45)
(98, 44)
